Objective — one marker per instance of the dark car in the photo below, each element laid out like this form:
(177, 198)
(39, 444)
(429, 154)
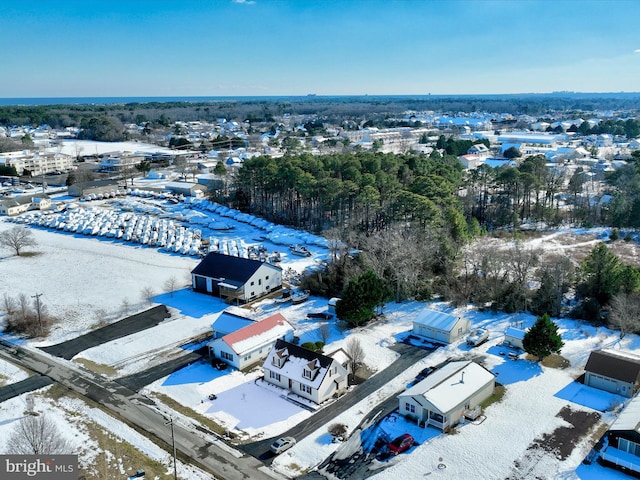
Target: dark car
(424, 373)
(401, 444)
(320, 315)
(219, 364)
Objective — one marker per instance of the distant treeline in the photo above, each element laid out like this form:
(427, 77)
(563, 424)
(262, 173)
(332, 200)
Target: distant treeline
(334, 109)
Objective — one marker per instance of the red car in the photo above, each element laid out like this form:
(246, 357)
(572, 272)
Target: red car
(400, 444)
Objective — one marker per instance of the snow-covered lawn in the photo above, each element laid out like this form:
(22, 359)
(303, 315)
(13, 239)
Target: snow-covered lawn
(80, 276)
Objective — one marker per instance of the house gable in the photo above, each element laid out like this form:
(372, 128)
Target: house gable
(303, 372)
(260, 333)
(617, 365)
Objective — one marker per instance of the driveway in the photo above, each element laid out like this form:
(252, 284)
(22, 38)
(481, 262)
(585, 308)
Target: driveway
(127, 326)
(409, 355)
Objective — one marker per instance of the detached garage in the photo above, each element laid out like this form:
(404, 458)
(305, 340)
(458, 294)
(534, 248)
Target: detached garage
(613, 371)
(439, 327)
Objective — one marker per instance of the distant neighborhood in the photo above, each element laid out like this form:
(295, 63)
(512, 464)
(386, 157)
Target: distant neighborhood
(328, 297)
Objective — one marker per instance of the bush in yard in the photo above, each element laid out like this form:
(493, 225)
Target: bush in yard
(314, 347)
(337, 430)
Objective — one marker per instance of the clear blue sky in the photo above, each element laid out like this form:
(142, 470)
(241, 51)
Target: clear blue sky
(80, 48)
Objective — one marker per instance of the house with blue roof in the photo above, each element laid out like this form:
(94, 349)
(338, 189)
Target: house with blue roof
(439, 327)
(235, 279)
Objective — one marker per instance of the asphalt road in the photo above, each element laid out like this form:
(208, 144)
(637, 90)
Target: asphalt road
(201, 448)
(409, 355)
(127, 326)
(27, 385)
(139, 380)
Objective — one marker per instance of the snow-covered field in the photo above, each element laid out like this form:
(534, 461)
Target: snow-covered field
(80, 276)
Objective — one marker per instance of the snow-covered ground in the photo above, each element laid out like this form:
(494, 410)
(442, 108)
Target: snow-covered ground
(79, 276)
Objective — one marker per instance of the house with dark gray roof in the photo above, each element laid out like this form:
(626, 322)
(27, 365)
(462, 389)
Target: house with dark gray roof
(310, 375)
(614, 371)
(623, 446)
(235, 279)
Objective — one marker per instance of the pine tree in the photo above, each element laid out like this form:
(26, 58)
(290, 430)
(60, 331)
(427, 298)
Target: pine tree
(361, 297)
(543, 338)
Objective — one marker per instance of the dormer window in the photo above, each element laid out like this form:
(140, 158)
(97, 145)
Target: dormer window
(311, 369)
(280, 357)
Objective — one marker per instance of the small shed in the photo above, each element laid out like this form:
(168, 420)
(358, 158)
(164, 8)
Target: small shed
(613, 371)
(440, 327)
(331, 306)
(513, 337)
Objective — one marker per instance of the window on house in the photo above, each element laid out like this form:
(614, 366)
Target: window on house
(267, 277)
(436, 417)
(259, 281)
(274, 375)
(226, 356)
(252, 283)
(306, 373)
(305, 388)
(410, 408)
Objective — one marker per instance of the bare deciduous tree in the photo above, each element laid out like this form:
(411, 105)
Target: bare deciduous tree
(37, 436)
(8, 304)
(625, 313)
(356, 354)
(17, 239)
(147, 294)
(126, 305)
(170, 284)
(101, 316)
(324, 331)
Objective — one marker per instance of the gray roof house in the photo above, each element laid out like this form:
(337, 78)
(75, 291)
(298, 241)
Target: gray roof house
(235, 279)
(623, 449)
(18, 205)
(444, 397)
(306, 374)
(614, 371)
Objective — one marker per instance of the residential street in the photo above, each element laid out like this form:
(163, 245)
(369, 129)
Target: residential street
(201, 449)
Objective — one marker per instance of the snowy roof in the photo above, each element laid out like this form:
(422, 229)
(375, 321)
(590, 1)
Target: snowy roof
(228, 323)
(629, 418)
(437, 320)
(259, 333)
(297, 359)
(450, 385)
(340, 356)
(514, 332)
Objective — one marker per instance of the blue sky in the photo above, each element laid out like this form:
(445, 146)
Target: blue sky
(80, 48)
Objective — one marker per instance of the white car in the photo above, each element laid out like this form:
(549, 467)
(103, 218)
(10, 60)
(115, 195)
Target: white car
(477, 337)
(282, 444)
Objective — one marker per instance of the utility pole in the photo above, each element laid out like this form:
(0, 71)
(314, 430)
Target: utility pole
(37, 297)
(173, 443)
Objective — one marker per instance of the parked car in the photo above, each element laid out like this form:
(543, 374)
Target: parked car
(219, 364)
(424, 373)
(320, 315)
(400, 444)
(282, 444)
(477, 337)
